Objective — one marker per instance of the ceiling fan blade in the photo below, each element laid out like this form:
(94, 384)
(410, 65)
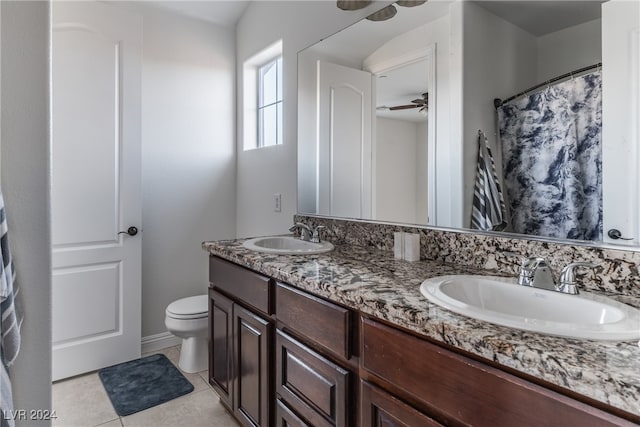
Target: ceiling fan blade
(418, 101)
(410, 3)
(403, 107)
(383, 14)
(353, 4)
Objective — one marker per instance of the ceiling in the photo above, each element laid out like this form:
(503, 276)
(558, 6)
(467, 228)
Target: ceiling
(357, 42)
(543, 17)
(536, 17)
(225, 13)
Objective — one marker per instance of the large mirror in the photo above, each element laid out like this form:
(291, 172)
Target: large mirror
(504, 116)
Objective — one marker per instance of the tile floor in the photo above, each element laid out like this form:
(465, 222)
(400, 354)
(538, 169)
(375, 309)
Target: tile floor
(82, 402)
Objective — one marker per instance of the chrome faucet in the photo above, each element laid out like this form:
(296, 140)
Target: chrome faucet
(308, 234)
(535, 272)
(305, 231)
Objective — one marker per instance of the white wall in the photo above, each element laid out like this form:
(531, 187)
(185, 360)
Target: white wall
(307, 132)
(188, 156)
(422, 173)
(25, 184)
(569, 49)
(500, 59)
(621, 119)
(266, 171)
(396, 170)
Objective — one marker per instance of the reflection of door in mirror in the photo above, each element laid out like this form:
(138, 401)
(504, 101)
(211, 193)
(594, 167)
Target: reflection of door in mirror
(344, 141)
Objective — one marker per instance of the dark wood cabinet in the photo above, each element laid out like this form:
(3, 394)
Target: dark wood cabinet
(314, 386)
(221, 346)
(285, 417)
(281, 356)
(252, 337)
(316, 363)
(457, 390)
(249, 287)
(380, 409)
(322, 322)
(241, 342)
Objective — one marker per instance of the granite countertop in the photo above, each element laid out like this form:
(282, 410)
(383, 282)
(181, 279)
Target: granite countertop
(373, 282)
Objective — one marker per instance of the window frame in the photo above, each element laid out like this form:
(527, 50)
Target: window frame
(261, 106)
(249, 98)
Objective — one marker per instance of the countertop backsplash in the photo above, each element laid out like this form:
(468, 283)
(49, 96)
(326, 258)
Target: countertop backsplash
(617, 273)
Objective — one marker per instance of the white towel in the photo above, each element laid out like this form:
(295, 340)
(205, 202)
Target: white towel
(6, 398)
(488, 212)
(11, 319)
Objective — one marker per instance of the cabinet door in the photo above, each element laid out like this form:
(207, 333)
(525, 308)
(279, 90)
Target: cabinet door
(221, 346)
(380, 409)
(252, 390)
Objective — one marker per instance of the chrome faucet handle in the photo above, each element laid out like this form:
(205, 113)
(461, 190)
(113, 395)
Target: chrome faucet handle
(315, 235)
(305, 231)
(528, 267)
(567, 283)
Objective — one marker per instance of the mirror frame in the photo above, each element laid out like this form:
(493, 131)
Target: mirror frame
(397, 62)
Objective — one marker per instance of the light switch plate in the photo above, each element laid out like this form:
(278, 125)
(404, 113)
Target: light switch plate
(277, 202)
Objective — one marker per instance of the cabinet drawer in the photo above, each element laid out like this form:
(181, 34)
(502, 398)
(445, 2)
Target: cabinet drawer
(313, 386)
(243, 284)
(467, 391)
(382, 409)
(285, 417)
(323, 322)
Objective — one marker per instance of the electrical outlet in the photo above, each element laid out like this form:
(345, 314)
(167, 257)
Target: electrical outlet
(277, 202)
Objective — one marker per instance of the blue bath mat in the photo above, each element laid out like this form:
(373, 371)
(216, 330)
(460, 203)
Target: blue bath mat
(142, 383)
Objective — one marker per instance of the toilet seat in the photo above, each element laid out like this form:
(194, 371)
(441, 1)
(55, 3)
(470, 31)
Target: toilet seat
(195, 307)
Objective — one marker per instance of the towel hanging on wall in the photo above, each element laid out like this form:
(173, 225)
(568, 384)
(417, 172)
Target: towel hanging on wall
(11, 318)
(488, 210)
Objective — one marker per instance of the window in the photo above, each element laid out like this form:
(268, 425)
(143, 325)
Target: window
(262, 123)
(270, 103)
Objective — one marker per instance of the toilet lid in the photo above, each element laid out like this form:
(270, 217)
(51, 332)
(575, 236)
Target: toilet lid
(190, 306)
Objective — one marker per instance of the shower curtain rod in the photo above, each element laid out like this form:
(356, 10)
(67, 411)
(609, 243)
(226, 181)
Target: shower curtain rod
(497, 102)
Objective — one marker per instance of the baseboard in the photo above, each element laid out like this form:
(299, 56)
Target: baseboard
(159, 341)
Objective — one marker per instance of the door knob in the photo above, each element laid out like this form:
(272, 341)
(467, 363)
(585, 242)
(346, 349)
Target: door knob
(131, 231)
(615, 234)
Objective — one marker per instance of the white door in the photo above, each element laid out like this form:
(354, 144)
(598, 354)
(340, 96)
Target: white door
(96, 301)
(344, 141)
(621, 120)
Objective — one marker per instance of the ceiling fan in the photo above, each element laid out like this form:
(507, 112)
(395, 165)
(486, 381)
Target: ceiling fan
(421, 103)
(381, 15)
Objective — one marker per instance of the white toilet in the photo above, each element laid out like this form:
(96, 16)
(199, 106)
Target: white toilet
(187, 318)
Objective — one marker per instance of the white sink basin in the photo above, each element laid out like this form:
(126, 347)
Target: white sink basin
(502, 301)
(286, 245)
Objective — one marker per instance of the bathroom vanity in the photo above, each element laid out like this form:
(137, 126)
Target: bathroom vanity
(346, 339)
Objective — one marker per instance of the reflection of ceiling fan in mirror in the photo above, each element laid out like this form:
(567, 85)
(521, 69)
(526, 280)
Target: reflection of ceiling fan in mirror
(381, 15)
(421, 103)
